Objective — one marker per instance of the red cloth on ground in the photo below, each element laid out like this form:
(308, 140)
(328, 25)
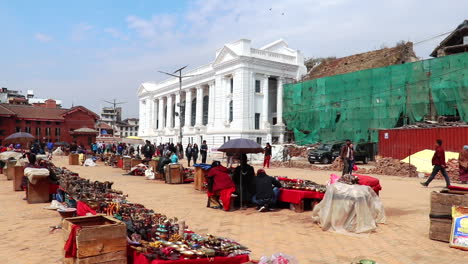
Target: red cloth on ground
(137, 258)
(70, 245)
(82, 208)
(457, 188)
(286, 179)
(295, 196)
(224, 196)
(221, 178)
(53, 188)
(372, 182)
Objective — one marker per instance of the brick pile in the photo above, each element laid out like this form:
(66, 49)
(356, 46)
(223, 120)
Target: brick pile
(452, 171)
(390, 166)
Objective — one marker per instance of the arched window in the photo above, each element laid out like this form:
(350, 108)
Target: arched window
(205, 109)
(231, 114)
(194, 112)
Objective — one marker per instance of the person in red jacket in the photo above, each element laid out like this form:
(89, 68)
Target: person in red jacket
(438, 160)
(220, 185)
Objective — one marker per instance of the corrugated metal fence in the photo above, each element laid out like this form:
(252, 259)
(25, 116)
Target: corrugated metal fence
(400, 143)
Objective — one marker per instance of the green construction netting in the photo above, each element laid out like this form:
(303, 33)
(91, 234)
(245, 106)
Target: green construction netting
(356, 105)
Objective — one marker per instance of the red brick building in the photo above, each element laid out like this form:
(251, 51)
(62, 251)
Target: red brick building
(48, 122)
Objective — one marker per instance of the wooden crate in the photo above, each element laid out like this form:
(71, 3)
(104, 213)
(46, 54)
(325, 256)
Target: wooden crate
(154, 164)
(73, 159)
(440, 229)
(39, 192)
(101, 239)
(441, 203)
(174, 174)
(199, 178)
(135, 162)
(127, 164)
(18, 178)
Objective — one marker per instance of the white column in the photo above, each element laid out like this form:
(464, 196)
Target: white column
(169, 112)
(155, 113)
(148, 116)
(279, 102)
(188, 108)
(177, 109)
(265, 102)
(228, 97)
(211, 104)
(199, 107)
(151, 115)
(161, 113)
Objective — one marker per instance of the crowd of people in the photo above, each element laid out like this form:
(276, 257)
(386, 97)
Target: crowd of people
(241, 183)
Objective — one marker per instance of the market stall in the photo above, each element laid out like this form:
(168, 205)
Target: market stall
(155, 238)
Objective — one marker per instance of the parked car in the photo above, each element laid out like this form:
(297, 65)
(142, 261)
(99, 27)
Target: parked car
(328, 152)
(325, 153)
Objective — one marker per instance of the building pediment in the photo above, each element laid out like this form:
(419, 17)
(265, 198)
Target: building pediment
(225, 55)
(142, 90)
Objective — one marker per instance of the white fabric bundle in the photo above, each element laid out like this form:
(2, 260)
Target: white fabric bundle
(34, 174)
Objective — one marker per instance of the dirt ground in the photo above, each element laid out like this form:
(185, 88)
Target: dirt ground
(25, 237)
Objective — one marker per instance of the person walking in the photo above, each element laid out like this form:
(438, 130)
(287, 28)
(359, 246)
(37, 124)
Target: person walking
(267, 158)
(188, 153)
(50, 147)
(438, 160)
(345, 154)
(463, 164)
(203, 151)
(195, 153)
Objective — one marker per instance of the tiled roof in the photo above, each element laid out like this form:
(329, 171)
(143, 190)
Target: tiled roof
(33, 112)
(368, 60)
(103, 126)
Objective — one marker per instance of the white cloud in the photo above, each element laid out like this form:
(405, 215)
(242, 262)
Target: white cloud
(42, 37)
(115, 33)
(81, 31)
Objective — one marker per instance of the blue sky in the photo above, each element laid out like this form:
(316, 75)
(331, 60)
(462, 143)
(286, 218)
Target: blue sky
(85, 51)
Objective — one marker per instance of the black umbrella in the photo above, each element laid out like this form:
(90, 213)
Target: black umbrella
(241, 146)
(19, 137)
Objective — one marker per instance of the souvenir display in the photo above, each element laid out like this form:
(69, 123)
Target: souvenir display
(150, 233)
(304, 185)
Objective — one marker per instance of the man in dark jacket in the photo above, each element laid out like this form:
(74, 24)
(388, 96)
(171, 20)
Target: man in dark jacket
(203, 151)
(247, 173)
(148, 150)
(267, 191)
(438, 160)
(345, 155)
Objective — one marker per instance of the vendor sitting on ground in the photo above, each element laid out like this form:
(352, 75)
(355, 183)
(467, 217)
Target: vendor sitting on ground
(247, 173)
(267, 191)
(220, 185)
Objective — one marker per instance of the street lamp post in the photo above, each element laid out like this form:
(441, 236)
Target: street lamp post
(180, 77)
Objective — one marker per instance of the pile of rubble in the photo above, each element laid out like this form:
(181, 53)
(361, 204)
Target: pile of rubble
(390, 166)
(452, 171)
(297, 151)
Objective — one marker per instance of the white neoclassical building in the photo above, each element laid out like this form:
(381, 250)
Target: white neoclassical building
(238, 95)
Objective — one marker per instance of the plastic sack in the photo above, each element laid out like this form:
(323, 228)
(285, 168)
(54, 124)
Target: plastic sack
(355, 167)
(333, 178)
(278, 258)
(149, 174)
(349, 209)
(89, 163)
(58, 152)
